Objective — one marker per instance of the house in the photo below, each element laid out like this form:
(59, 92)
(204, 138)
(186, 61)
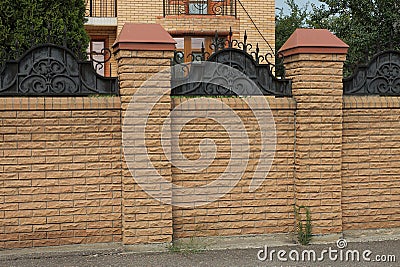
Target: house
(190, 22)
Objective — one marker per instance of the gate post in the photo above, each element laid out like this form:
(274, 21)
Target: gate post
(314, 61)
(142, 50)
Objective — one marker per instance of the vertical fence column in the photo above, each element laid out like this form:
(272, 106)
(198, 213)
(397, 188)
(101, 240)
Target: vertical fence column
(314, 61)
(143, 50)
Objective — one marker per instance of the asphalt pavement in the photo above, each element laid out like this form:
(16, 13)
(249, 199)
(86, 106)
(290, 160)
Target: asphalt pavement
(371, 253)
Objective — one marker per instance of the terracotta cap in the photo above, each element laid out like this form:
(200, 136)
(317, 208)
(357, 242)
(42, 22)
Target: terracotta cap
(313, 41)
(141, 36)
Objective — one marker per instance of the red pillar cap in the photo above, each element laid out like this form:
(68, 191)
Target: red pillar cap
(141, 36)
(313, 41)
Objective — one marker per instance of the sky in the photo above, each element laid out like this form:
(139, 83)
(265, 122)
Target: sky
(281, 3)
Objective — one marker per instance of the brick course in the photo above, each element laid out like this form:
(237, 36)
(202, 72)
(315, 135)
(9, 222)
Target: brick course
(240, 212)
(370, 168)
(61, 171)
(145, 219)
(318, 136)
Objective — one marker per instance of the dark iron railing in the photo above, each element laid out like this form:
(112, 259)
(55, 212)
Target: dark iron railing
(101, 8)
(381, 76)
(200, 7)
(239, 56)
(53, 70)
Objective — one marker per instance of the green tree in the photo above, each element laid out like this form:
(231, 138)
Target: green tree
(367, 26)
(285, 25)
(25, 23)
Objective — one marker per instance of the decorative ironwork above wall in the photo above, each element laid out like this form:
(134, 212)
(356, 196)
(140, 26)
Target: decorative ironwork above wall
(232, 53)
(199, 7)
(380, 77)
(52, 70)
(101, 8)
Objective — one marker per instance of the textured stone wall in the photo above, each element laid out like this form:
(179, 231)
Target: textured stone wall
(145, 219)
(64, 177)
(60, 172)
(240, 212)
(318, 89)
(371, 162)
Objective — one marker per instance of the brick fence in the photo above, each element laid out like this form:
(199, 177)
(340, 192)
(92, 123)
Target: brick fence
(60, 171)
(65, 179)
(371, 162)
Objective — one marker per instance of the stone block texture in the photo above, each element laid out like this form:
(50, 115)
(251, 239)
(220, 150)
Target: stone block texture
(318, 89)
(145, 220)
(64, 177)
(240, 212)
(60, 172)
(371, 162)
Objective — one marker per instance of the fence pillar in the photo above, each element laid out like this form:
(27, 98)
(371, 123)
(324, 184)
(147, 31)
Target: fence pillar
(314, 61)
(142, 50)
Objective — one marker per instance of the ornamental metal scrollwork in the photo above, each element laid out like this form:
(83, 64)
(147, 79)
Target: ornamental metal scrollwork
(99, 64)
(48, 76)
(221, 81)
(380, 77)
(52, 70)
(200, 7)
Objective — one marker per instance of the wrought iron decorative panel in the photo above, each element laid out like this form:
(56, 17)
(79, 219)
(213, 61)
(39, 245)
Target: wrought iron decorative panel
(101, 8)
(380, 77)
(51, 70)
(220, 81)
(200, 7)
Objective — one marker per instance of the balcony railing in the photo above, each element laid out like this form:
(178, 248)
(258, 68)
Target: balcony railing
(101, 8)
(200, 7)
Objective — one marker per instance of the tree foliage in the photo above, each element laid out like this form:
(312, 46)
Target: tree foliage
(367, 26)
(25, 23)
(285, 25)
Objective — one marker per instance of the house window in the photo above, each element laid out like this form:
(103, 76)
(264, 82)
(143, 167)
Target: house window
(96, 53)
(191, 45)
(197, 7)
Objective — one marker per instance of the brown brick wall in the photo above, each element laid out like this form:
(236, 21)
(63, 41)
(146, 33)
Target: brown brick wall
(60, 172)
(261, 11)
(240, 212)
(138, 11)
(371, 162)
(198, 24)
(64, 178)
(145, 220)
(263, 14)
(317, 89)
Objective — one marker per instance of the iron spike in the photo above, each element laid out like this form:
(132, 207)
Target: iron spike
(203, 55)
(216, 45)
(230, 37)
(245, 42)
(257, 52)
